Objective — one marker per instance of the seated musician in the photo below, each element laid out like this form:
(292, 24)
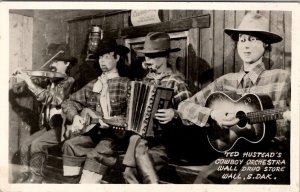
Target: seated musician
(145, 156)
(33, 150)
(105, 97)
(253, 39)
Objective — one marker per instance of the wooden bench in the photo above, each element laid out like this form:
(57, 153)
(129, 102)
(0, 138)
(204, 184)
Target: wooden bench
(170, 173)
(191, 145)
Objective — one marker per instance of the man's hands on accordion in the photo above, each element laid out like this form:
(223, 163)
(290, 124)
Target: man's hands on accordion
(164, 116)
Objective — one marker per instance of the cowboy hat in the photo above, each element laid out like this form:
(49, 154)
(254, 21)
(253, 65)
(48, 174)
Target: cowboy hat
(256, 24)
(157, 42)
(66, 57)
(107, 45)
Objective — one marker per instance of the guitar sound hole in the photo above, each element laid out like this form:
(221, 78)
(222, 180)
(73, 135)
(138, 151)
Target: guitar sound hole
(243, 118)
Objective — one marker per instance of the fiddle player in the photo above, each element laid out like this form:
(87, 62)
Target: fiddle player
(33, 151)
(87, 157)
(253, 39)
(145, 156)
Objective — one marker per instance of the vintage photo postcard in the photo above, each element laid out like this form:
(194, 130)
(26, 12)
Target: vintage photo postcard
(182, 95)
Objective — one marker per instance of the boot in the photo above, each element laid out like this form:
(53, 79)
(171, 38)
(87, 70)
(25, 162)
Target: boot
(25, 168)
(22, 177)
(145, 163)
(147, 170)
(34, 179)
(130, 175)
(90, 177)
(36, 168)
(72, 179)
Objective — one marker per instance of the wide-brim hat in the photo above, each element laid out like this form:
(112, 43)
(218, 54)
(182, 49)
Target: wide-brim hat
(254, 24)
(107, 45)
(157, 42)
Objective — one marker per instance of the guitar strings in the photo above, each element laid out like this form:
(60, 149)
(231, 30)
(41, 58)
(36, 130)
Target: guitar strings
(260, 114)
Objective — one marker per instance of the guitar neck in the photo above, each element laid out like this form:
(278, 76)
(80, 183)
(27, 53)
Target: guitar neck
(265, 115)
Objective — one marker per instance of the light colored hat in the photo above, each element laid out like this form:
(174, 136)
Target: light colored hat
(157, 42)
(256, 24)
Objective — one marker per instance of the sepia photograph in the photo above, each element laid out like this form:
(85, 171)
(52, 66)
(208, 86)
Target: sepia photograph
(203, 96)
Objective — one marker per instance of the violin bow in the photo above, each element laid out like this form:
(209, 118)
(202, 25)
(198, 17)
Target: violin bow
(59, 52)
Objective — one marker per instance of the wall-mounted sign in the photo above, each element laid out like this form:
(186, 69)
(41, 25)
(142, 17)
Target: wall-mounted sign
(144, 17)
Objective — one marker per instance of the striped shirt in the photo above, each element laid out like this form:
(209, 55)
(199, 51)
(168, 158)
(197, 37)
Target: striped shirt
(86, 98)
(275, 83)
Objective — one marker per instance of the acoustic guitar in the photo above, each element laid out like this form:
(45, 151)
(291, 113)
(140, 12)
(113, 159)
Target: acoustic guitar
(90, 120)
(256, 116)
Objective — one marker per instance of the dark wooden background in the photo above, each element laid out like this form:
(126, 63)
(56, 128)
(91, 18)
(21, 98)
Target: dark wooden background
(207, 52)
(211, 52)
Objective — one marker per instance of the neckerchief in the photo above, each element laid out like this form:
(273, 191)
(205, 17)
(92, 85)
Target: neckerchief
(157, 77)
(101, 86)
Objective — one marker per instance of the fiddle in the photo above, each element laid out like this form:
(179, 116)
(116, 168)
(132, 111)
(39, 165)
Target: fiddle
(38, 77)
(45, 74)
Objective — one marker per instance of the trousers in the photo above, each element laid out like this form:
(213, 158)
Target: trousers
(91, 154)
(149, 157)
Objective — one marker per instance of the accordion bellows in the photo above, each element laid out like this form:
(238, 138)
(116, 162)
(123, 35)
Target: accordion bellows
(144, 101)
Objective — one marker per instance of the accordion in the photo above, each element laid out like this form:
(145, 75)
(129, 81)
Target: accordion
(143, 102)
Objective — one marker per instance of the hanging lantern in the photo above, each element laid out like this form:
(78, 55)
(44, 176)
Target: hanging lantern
(95, 36)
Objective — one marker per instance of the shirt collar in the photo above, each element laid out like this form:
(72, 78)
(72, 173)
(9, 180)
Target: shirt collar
(109, 75)
(102, 81)
(162, 75)
(253, 74)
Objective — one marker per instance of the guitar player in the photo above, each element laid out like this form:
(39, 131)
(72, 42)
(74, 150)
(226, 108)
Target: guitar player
(106, 97)
(253, 39)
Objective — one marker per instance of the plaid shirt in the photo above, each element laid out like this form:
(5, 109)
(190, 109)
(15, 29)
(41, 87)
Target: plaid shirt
(170, 80)
(275, 83)
(54, 95)
(86, 98)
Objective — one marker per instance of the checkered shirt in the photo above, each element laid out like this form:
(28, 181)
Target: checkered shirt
(170, 80)
(86, 98)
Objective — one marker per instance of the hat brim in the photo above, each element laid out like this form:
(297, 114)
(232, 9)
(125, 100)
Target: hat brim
(120, 49)
(70, 59)
(145, 51)
(266, 36)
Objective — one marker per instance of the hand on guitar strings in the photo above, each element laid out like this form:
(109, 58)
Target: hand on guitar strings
(224, 119)
(78, 122)
(103, 125)
(164, 116)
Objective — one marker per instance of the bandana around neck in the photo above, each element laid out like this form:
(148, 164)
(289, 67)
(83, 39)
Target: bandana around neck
(157, 77)
(103, 80)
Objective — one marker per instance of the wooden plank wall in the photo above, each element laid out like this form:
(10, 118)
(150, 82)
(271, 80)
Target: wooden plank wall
(20, 57)
(210, 45)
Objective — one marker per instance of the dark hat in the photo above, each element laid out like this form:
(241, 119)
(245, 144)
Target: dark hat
(156, 42)
(256, 24)
(107, 45)
(66, 57)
